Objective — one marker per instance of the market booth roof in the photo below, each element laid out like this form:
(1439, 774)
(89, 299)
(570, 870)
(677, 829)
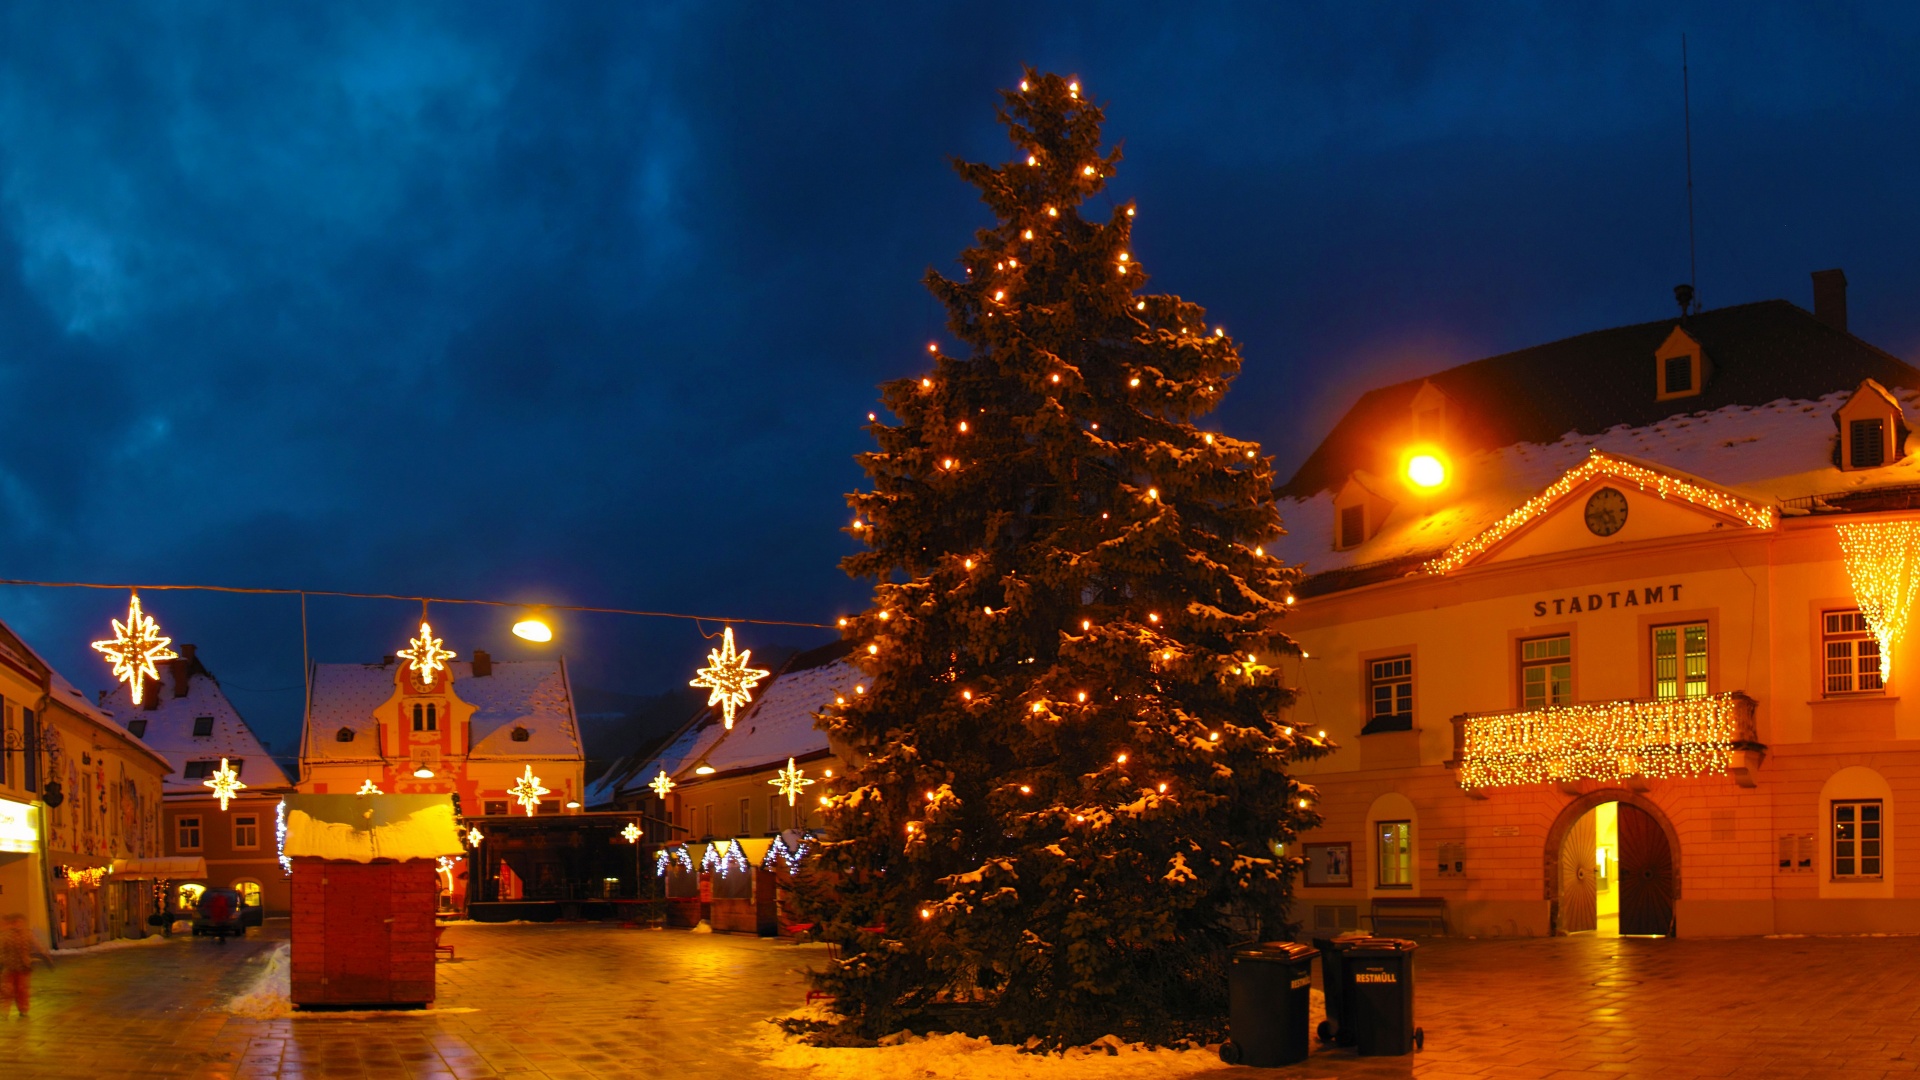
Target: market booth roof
(165, 868)
(362, 828)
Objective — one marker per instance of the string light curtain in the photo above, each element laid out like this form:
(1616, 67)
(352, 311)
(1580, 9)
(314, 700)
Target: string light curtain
(1883, 562)
(1611, 740)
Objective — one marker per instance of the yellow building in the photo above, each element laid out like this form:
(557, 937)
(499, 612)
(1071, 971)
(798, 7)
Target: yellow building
(78, 796)
(1610, 635)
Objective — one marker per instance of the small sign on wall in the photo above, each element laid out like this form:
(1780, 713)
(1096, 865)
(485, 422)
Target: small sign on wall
(1796, 853)
(1330, 864)
(1453, 860)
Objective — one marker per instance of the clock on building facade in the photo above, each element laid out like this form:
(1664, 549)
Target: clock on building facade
(1606, 512)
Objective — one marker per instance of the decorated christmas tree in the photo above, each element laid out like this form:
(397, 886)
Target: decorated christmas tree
(1070, 788)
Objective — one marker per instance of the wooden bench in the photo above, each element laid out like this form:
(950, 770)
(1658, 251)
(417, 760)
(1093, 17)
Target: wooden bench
(1426, 911)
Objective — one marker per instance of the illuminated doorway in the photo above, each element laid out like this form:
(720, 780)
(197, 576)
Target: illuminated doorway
(1616, 874)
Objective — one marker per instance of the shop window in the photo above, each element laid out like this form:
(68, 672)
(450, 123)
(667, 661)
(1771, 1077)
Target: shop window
(1546, 672)
(1852, 654)
(187, 833)
(1393, 862)
(1389, 694)
(496, 808)
(189, 895)
(1680, 661)
(1857, 836)
(249, 892)
(246, 831)
(202, 727)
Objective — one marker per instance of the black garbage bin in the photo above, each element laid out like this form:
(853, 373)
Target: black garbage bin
(1333, 983)
(1269, 992)
(1373, 988)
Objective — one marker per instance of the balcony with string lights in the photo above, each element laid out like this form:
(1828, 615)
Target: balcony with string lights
(1609, 741)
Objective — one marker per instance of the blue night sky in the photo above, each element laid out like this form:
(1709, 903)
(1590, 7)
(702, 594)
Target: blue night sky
(587, 302)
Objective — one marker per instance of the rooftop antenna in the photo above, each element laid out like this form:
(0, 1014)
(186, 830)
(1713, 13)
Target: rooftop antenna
(1693, 261)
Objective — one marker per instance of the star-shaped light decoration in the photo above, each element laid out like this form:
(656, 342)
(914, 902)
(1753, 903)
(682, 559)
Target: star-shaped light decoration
(367, 787)
(424, 654)
(662, 784)
(135, 647)
(527, 790)
(631, 832)
(474, 836)
(790, 782)
(729, 677)
(224, 783)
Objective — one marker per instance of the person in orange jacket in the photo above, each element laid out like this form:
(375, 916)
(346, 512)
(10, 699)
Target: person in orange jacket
(17, 950)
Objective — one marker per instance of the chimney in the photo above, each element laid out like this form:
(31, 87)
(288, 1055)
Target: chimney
(182, 670)
(1830, 298)
(482, 663)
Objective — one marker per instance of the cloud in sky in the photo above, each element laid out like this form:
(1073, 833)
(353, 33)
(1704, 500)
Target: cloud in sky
(587, 302)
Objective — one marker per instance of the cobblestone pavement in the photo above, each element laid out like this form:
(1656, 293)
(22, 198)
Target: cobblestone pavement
(593, 1001)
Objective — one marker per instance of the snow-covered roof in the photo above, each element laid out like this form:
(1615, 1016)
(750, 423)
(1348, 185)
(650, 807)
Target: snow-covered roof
(64, 692)
(362, 828)
(1770, 453)
(169, 729)
(777, 726)
(532, 694)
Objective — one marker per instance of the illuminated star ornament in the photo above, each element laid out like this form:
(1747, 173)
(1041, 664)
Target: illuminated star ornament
(662, 784)
(225, 783)
(527, 790)
(424, 654)
(790, 782)
(474, 836)
(137, 645)
(631, 832)
(729, 677)
(367, 787)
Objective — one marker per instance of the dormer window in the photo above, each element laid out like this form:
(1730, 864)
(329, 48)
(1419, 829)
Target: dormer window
(202, 726)
(1680, 367)
(345, 734)
(137, 728)
(1359, 511)
(1873, 429)
(1429, 413)
(521, 734)
(1353, 527)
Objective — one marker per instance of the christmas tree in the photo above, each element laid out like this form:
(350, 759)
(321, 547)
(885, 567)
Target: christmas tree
(1069, 792)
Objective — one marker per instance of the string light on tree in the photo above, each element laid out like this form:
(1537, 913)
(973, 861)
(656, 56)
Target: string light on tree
(1883, 563)
(791, 782)
(527, 790)
(662, 784)
(729, 677)
(135, 648)
(424, 654)
(225, 783)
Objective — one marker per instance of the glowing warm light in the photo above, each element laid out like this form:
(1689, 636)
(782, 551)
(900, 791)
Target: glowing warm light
(661, 784)
(1032, 160)
(963, 427)
(1122, 759)
(1608, 741)
(1082, 695)
(1153, 493)
(1073, 88)
(367, 787)
(1599, 464)
(631, 833)
(791, 782)
(843, 620)
(926, 384)
(1153, 616)
(1141, 306)
(1038, 707)
(423, 773)
(1426, 471)
(1051, 212)
(1028, 235)
(424, 654)
(224, 783)
(1163, 788)
(969, 564)
(873, 650)
(1135, 381)
(1000, 294)
(1213, 736)
(1088, 170)
(474, 836)
(1023, 84)
(135, 647)
(532, 629)
(1025, 790)
(1303, 804)
(1883, 563)
(703, 769)
(967, 694)
(926, 913)
(729, 677)
(527, 790)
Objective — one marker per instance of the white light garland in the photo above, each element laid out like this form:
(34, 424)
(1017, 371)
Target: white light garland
(1601, 464)
(778, 851)
(1611, 740)
(723, 860)
(280, 837)
(1883, 563)
(672, 855)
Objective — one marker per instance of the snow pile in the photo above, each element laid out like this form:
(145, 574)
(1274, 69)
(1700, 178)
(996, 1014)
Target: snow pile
(364, 828)
(108, 945)
(916, 1057)
(269, 996)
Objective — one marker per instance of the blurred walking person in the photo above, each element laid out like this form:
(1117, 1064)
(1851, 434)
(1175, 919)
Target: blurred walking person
(17, 950)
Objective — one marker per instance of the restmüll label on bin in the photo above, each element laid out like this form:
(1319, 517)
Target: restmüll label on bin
(1375, 977)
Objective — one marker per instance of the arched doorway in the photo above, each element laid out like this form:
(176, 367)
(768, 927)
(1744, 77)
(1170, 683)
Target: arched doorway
(1611, 866)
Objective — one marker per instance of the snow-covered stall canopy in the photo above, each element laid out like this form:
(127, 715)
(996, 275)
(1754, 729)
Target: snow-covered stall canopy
(362, 828)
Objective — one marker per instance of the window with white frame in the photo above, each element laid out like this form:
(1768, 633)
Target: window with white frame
(773, 811)
(187, 833)
(1680, 661)
(1393, 854)
(246, 831)
(1851, 653)
(1389, 694)
(1546, 672)
(746, 818)
(1859, 833)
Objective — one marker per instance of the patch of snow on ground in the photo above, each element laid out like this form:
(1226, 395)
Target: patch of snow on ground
(916, 1057)
(107, 946)
(269, 996)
